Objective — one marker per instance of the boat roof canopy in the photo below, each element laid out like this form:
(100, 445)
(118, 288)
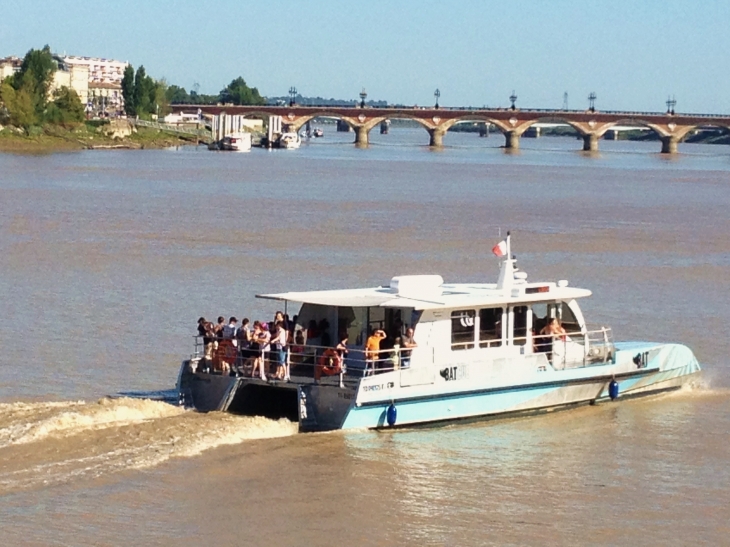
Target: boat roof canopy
(429, 295)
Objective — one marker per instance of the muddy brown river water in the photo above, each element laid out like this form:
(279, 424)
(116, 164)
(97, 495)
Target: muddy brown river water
(108, 258)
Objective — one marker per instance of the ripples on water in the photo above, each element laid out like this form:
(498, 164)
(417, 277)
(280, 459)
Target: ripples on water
(108, 258)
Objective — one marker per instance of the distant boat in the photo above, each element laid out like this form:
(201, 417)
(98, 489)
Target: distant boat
(289, 140)
(318, 132)
(237, 142)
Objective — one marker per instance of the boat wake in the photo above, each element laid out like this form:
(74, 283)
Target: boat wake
(50, 443)
(704, 386)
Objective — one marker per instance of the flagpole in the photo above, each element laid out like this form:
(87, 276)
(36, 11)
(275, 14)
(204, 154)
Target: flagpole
(509, 250)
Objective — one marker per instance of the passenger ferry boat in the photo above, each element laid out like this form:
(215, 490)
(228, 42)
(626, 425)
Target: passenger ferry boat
(479, 353)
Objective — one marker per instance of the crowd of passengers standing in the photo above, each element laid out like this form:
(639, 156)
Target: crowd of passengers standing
(246, 349)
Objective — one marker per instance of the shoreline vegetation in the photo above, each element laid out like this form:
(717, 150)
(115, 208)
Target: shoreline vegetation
(38, 117)
(50, 139)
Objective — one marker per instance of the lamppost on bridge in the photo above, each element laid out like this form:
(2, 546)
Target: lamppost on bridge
(671, 103)
(292, 96)
(437, 94)
(513, 99)
(592, 101)
(363, 96)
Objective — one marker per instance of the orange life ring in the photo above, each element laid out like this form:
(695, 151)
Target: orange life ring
(329, 364)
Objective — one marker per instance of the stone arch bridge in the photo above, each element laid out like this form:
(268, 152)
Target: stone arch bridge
(591, 126)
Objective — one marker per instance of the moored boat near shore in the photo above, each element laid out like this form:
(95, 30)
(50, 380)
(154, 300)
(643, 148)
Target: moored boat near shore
(422, 351)
(237, 142)
(289, 140)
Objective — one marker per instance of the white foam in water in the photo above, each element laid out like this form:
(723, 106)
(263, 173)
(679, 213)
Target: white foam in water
(116, 434)
(105, 413)
(229, 430)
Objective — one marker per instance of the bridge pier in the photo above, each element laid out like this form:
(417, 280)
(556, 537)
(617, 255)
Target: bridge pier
(590, 142)
(361, 136)
(512, 140)
(669, 144)
(437, 137)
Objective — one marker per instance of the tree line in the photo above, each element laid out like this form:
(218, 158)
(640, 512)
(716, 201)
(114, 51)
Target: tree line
(145, 96)
(26, 100)
(237, 92)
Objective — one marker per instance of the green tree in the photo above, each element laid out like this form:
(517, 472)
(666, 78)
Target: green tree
(160, 98)
(36, 76)
(66, 108)
(237, 92)
(177, 95)
(20, 103)
(141, 92)
(128, 91)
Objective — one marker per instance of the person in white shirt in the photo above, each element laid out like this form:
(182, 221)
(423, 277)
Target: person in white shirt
(278, 353)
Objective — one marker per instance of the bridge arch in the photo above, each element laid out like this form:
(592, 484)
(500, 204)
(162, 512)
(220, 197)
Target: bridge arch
(655, 128)
(724, 130)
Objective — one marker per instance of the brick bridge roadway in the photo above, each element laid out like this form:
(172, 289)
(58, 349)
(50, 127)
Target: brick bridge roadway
(671, 128)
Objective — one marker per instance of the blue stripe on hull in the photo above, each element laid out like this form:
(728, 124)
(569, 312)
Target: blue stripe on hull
(522, 399)
(458, 406)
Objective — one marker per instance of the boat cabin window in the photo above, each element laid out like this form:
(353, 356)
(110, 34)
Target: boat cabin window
(323, 325)
(567, 318)
(540, 314)
(462, 329)
(315, 321)
(490, 327)
(376, 319)
(352, 321)
(519, 323)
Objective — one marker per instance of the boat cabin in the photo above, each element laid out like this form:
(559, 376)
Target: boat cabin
(463, 322)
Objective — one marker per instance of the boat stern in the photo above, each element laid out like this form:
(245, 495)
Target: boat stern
(323, 407)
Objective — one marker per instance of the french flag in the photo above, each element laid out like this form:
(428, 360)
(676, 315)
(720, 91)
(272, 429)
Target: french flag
(500, 249)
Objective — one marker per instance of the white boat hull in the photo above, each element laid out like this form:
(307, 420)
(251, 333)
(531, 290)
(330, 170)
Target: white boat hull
(433, 399)
(672, 366)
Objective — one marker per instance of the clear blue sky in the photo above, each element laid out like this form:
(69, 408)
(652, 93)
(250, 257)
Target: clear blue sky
(632, 53)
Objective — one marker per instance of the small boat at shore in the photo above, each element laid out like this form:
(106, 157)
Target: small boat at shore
(236, 142)
(476, 350)
(289, 140)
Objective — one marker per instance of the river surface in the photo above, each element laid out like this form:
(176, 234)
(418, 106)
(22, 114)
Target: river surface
(107, 258)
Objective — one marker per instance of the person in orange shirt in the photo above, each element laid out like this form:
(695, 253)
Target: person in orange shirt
(372, 350)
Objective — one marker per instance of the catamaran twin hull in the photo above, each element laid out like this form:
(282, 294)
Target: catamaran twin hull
(420, 351)
(460, 391)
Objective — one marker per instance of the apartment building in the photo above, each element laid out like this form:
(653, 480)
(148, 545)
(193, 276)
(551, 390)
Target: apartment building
(103, 79)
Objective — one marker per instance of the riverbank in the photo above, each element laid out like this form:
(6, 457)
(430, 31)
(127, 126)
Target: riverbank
(50, 139)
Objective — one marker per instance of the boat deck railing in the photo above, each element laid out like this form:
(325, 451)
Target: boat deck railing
(303, 364)
(324, 364)
(577, 349)
(574, 349)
